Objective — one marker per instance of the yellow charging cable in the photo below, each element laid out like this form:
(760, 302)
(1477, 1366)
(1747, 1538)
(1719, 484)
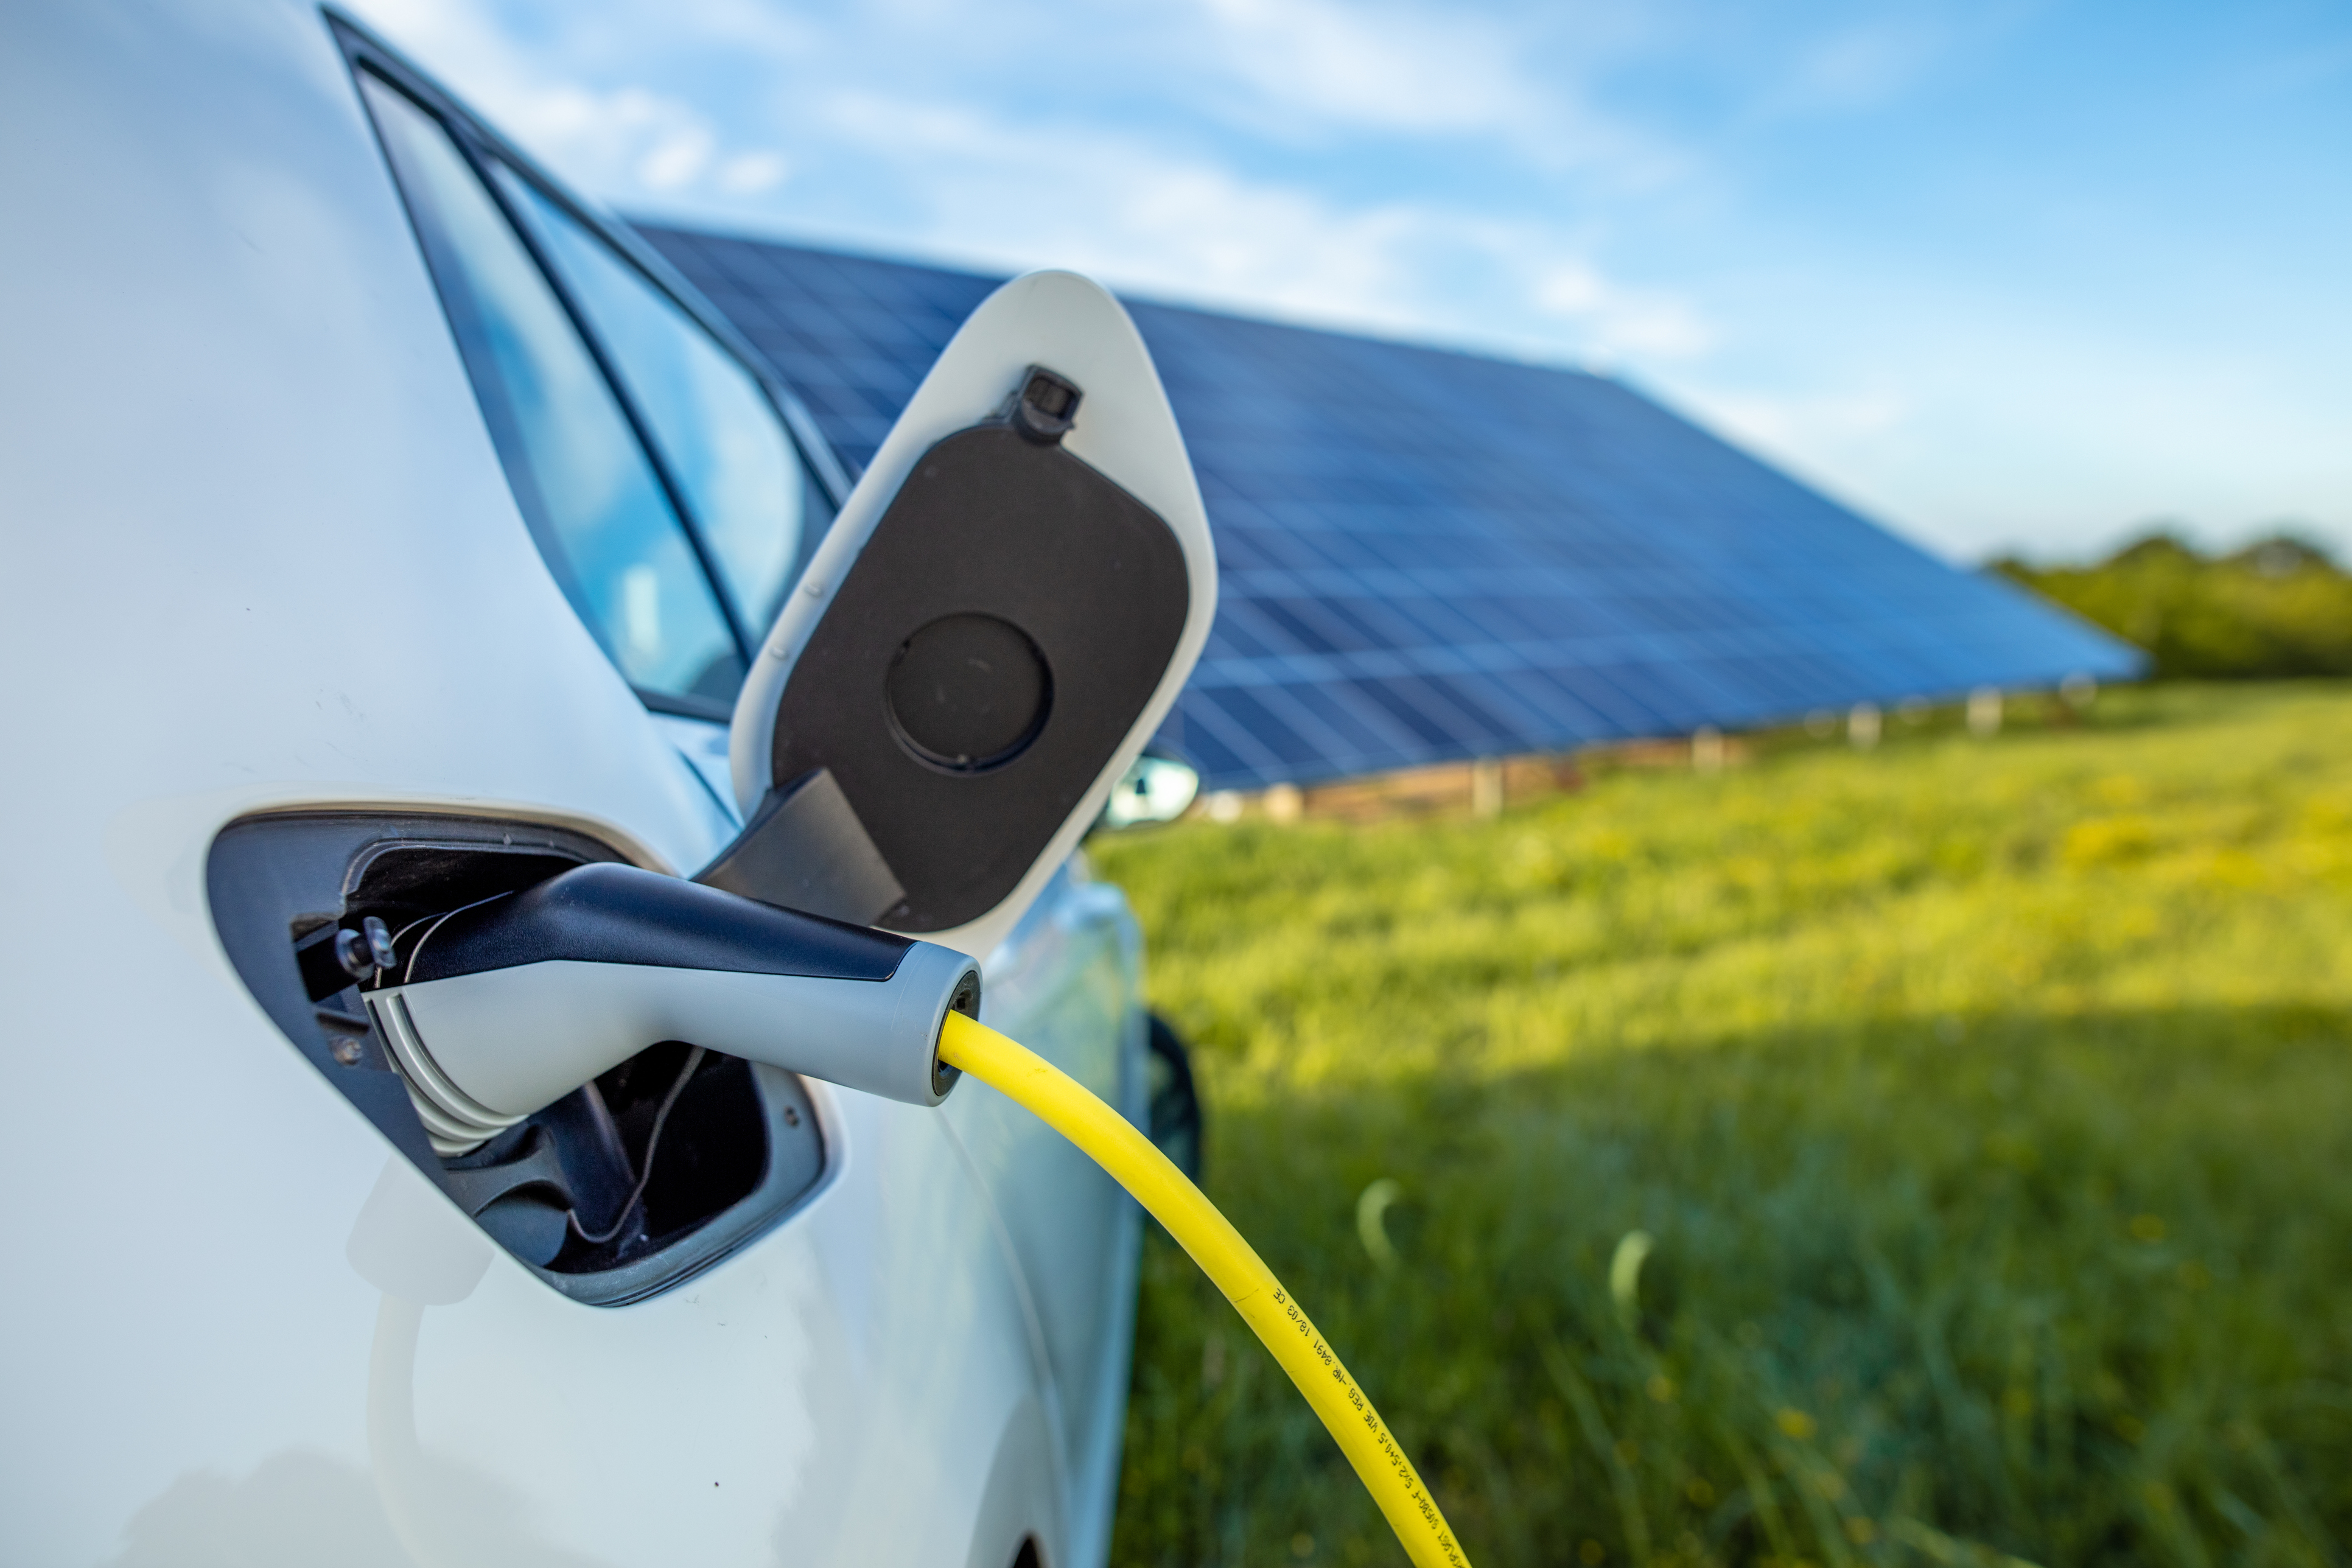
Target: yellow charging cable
(1107, 1137)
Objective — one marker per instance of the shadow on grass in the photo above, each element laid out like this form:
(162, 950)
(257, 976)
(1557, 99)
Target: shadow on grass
(2067, 1288)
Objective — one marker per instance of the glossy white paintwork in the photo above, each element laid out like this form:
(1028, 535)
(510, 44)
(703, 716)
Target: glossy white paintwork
(259, 553)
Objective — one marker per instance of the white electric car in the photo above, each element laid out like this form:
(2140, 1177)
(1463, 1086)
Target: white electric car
(387, 535)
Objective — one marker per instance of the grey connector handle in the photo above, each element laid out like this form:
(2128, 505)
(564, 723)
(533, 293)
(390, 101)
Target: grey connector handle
(506, 1006)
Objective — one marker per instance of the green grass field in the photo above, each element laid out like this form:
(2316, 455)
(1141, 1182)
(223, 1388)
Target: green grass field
(1987, 1107)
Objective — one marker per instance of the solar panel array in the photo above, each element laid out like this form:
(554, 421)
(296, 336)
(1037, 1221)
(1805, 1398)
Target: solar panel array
(1426, 556)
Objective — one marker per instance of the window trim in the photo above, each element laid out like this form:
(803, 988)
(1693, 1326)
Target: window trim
(481, 146)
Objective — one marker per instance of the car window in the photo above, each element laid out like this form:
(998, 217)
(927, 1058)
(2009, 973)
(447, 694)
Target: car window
(751, 496)
(590, 496)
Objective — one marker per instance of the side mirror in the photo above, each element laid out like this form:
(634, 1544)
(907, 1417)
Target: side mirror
(1005, 609)
(1153, 789)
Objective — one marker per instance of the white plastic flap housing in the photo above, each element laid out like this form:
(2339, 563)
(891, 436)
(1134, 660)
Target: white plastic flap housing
(967, 548)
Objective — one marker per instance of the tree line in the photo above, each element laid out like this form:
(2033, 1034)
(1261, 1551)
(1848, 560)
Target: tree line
(2280, 606)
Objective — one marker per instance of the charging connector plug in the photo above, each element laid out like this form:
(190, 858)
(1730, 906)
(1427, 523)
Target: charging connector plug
(504, 1006)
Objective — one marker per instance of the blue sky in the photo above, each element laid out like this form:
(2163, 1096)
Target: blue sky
(2002, 275)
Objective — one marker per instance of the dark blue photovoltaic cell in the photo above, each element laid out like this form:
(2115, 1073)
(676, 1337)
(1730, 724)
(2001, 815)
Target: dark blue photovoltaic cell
(1425, 555)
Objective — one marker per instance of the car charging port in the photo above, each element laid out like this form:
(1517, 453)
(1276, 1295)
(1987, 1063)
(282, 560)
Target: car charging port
(317, 911)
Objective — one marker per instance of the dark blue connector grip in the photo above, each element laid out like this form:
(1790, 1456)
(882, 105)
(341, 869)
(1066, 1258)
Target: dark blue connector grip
(610, 913)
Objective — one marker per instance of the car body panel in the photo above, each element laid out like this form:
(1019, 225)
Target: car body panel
(1065, 983)
(266, 558)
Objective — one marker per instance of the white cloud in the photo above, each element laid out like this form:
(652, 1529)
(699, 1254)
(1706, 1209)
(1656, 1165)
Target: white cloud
(1513, 85)
(1810, 423)
(1859, 67)
(751, 174)
(1193, 229)
(1618, 321)
(676, 160)
(1183, 227)
(613, 141)
(1392, 66)
(995, 173)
